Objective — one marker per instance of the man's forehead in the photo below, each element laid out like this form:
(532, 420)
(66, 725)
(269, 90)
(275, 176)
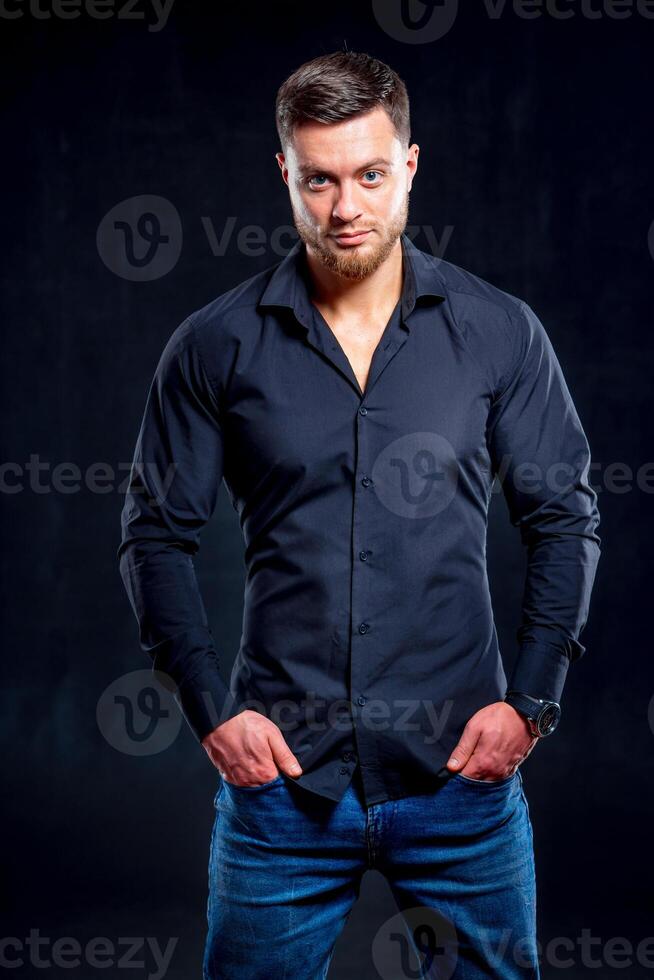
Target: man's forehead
(367, 135)
(344, 156)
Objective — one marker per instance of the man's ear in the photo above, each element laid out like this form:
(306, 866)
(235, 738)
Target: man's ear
(281, 160)
(412, 163)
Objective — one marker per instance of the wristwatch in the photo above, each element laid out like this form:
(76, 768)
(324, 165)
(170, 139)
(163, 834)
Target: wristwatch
(543, 716)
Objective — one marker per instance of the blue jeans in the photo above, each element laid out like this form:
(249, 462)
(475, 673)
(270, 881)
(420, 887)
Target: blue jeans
(285, 868)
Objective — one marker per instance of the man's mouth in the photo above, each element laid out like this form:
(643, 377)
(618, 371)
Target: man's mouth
(350, 238)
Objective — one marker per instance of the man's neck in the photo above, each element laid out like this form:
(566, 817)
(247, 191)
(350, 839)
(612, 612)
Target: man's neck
(364, 300)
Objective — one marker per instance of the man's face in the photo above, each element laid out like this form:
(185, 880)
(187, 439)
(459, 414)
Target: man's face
(347, 177)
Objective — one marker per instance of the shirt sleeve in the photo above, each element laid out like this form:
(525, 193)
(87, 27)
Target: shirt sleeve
(172, 492)
(540, 452)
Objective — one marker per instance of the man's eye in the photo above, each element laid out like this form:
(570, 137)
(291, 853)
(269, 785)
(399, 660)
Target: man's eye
(316, 177)
(320, 180)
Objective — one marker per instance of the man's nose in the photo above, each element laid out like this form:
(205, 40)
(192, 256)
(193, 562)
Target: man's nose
(346, 208)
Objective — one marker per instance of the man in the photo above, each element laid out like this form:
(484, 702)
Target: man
(358, 399)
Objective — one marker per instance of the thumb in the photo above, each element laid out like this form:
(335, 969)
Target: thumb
(284, 758)
(463, 749)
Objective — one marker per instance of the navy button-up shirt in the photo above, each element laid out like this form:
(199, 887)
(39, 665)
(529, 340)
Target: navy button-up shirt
(368, 634)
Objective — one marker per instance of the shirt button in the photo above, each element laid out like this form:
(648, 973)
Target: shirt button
(366, 481)
(363, 410)
(348, 756)
(361, 700)
(344, 771)
(364, 627)
(363, 555)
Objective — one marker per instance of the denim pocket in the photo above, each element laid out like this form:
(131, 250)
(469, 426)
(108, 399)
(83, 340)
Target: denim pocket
(218, 792)
(486, 782)
(254, 789)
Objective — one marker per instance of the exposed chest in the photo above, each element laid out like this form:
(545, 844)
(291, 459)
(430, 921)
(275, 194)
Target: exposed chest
(359, 343)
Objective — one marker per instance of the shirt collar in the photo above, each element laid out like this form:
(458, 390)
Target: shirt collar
(289, 284)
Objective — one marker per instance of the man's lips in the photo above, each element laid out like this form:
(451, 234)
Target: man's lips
(350, 238)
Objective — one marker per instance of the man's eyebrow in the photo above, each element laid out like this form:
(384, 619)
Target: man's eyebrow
(310, 168)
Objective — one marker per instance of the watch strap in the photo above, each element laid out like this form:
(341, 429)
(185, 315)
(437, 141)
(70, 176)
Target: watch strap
(530, 708)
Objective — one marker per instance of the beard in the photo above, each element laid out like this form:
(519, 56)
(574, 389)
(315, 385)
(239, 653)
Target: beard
(357, 262)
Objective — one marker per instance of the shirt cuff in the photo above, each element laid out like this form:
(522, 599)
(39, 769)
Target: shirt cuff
(206, 702)
(540, 671)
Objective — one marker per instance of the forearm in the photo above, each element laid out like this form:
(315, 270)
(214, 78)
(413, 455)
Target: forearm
(173, 630)
(563, 550)
(537, 441)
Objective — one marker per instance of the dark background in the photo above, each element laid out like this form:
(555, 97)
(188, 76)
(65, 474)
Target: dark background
(536, 170)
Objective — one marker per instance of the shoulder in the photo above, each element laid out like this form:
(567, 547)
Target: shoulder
(232, 311)
(214, 332)
(473, 298)
(497, 327)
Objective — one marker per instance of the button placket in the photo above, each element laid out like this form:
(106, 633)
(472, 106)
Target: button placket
(361, 584)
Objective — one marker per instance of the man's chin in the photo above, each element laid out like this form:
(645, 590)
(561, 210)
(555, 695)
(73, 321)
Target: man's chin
(355, 262)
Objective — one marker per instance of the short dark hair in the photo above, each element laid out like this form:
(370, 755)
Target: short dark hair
(336, 86)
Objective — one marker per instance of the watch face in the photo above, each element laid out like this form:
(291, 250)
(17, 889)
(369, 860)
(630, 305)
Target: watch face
(548, 719)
